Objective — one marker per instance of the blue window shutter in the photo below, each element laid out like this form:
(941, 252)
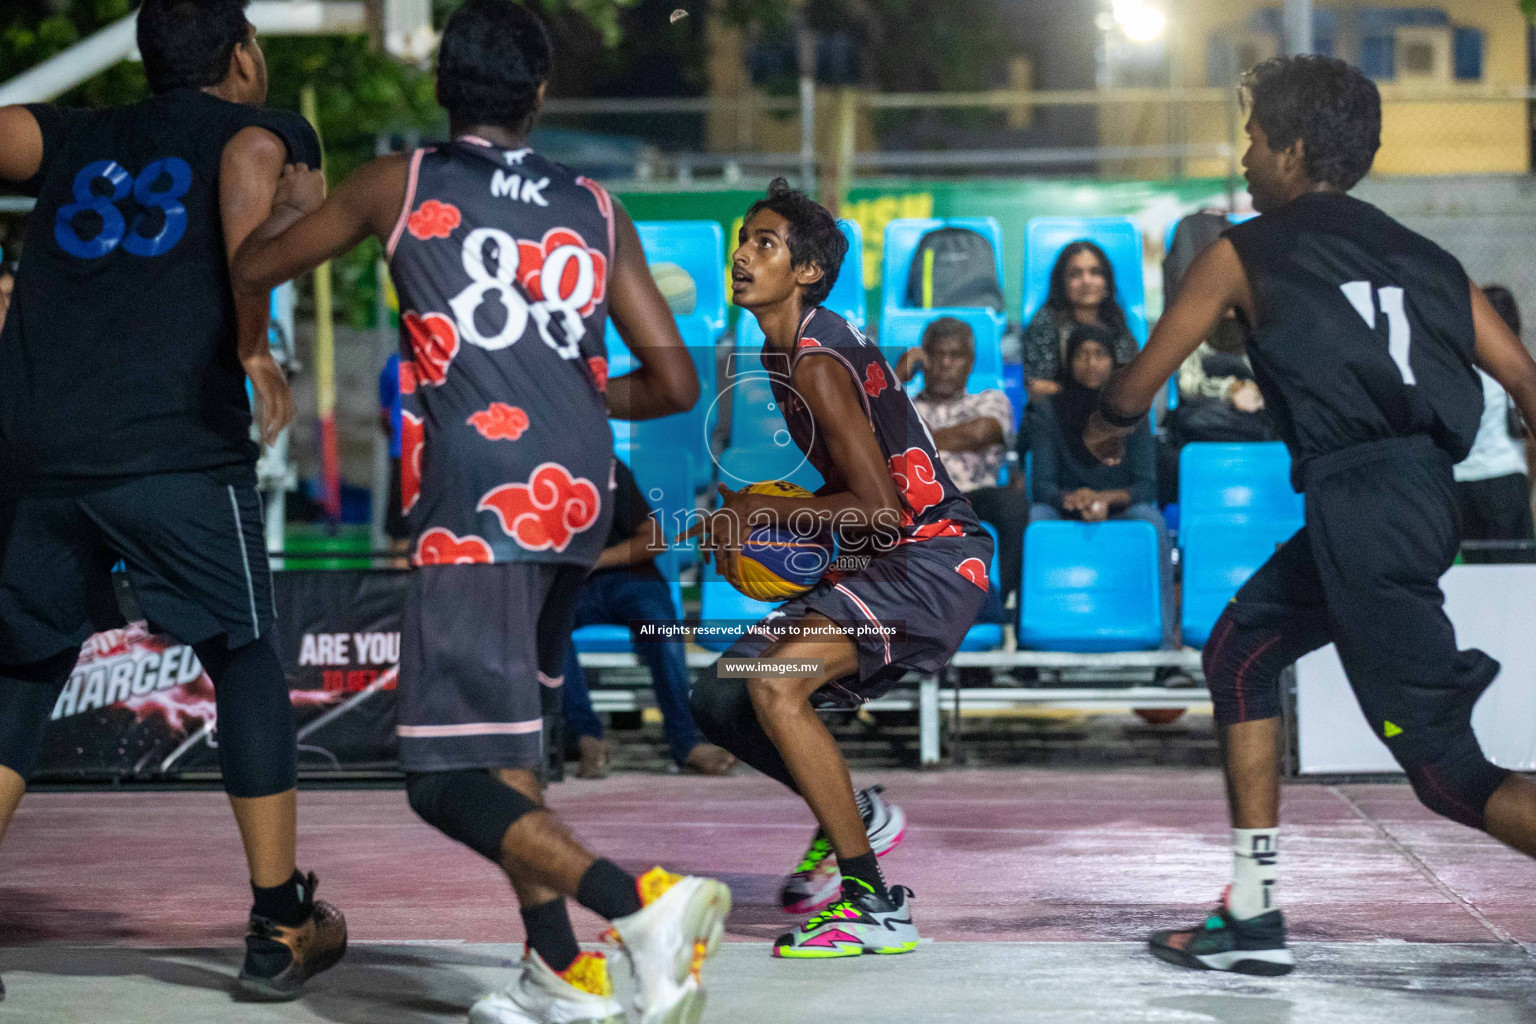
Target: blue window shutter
(1468, 54)
(1378, 55)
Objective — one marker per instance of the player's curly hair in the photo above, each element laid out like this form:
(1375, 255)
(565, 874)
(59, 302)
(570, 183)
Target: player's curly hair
(1329, 104)
(494, 56)
(186, 44)
(814, 237)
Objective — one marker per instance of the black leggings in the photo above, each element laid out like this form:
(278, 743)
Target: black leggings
(258, 752)
(723, 711)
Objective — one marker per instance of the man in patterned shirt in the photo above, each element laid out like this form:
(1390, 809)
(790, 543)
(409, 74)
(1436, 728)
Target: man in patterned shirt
(972, 432)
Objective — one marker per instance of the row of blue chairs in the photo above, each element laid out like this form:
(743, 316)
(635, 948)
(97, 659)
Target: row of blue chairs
(1087, 587)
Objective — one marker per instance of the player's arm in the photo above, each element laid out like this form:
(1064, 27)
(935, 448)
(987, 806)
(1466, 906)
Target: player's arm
(970, 436)
(835, 406)
(249, 170)
(1502, 356)
(666, 380)
(21, 144)
(1214, 283)
(648, 542)
(306, 227)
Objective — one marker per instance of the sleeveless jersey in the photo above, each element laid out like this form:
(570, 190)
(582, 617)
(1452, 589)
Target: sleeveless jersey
(501, 259)
(1364, 329)
(119, 355)
(932, 506)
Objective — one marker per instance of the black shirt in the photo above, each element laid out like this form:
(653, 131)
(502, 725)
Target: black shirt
(1056, 471)
(119, 356)
(631, 513)
(1364, 329)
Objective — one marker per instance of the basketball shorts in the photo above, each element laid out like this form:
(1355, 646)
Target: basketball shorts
(192, 546)
(907, 611)
(480, 645)
(1364, 574)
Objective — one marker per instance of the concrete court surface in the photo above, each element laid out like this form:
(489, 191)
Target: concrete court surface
(1036, 888)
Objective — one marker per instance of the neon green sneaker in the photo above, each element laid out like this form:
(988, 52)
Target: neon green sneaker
(861, 922)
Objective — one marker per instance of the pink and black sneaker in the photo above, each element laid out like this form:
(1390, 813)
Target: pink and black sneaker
(816, 880)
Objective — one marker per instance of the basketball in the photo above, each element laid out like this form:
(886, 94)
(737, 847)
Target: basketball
(677, 287)
(777, 563)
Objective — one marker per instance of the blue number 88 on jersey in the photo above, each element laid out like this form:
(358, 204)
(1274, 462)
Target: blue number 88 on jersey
(159, 186)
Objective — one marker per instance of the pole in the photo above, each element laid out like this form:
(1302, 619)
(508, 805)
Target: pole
(1298, 27)
(325, 360)
(806, 40)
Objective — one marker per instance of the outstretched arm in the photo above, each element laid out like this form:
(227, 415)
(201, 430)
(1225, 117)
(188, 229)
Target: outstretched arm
(1502, 356)
(666, 381)
(1214, 283)
(306, 227)
(21, 144)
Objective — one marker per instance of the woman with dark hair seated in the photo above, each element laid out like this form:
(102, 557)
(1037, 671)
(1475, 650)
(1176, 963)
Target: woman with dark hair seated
(1069, 483)
(1082, 292)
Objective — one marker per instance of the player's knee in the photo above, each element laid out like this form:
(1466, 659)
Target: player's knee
(258, 747)
(1242, 672)
(469, 806)
(1455, 780)
(771, 695)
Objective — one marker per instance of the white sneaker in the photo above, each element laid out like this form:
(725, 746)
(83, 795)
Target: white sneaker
(817, 881)
(678, 927)
(581, 994)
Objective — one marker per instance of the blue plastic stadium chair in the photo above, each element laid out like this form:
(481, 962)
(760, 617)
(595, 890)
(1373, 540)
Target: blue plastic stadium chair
(897, 319)
(1218, 557)
(607, 638)
(987, 636)
(742, 466)
(1237, 482)
(848, 298)
(1119, 237)
(665, 478)
(698, 246)
(755, 417)
(722, 604)
(988, 371)
(687, 432)
(1091, 587)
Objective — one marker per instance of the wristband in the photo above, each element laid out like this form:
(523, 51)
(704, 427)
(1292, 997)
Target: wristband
(1114, 419)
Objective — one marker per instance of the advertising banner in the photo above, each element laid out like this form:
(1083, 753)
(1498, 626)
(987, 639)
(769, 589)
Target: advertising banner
(140, 706)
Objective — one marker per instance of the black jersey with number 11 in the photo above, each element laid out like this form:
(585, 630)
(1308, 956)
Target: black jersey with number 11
(1364, 329)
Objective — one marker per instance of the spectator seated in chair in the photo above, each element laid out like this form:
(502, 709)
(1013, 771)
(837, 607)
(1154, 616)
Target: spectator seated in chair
(626, 587)
(1493, 485)
(1082, 291)
(1218, 401)
(1069, 483)
(972, 433)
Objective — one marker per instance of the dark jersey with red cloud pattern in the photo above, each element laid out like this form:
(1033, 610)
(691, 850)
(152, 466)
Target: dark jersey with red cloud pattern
(501, 259)
(932, 506)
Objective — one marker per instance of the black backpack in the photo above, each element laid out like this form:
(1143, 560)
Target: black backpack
(1195, 234)
(964, 271)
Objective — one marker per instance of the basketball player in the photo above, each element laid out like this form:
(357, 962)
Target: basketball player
(507, 265)
(125, 432)
(1365, 338)
(919, 584)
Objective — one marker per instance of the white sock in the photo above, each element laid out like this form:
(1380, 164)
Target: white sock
(1255, 867)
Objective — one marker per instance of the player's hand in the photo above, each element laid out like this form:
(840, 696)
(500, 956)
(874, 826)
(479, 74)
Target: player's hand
(1094, 508)
(910, 362)
(1105, 441)
(274, 401)
(300, 188)
(721, 533)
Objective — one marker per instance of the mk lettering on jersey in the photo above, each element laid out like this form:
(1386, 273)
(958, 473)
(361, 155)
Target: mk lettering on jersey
(515, 186)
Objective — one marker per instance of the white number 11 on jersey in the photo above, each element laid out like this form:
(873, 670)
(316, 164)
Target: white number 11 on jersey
(1399, 336)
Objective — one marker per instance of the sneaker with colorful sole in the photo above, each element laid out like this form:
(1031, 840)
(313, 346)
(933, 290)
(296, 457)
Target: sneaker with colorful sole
(580, 994)
(678, 927)
(816, 880)
(859, 923)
